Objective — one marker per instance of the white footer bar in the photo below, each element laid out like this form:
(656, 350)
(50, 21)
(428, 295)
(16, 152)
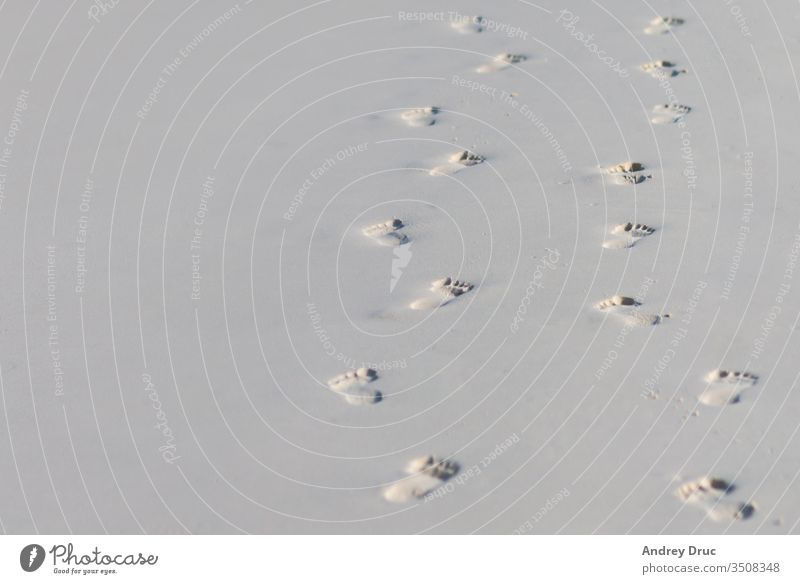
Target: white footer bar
(390, 559)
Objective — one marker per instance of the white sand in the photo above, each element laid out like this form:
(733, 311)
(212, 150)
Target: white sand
(268, 221)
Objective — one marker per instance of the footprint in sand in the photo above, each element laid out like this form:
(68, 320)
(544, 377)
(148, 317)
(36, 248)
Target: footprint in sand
(420, 117)
(710, 495)
(725, 387)
(427, 473)
(662, 24)
(623, 307)
(703, 489)
(627, 234)
(359, 376)
(625, 167)
(353, 386)
(669, 113)
(626, 173)
(500, 62)
(457, 162)
(469, 24)
(615, 301)
(446, 289)
(619, 243)
(727, 511)
(661, 69)
(387, 233)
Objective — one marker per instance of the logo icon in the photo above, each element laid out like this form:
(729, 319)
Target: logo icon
(31, 557)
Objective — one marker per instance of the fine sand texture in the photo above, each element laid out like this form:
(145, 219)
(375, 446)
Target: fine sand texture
(375, 267)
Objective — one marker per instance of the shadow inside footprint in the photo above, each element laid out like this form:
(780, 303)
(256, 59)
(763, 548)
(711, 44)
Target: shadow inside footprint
(445, 289)
(457, 162)
(500, 62)
(710, 494)
(746, 511)
(726, 387)
(427, 473)
(363, 396)
(420, 117)
(354, 386)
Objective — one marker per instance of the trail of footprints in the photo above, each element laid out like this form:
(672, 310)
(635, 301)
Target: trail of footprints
(427, 473)
(469, 24)
(356, 387)
(666, 113)
(723, 387)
